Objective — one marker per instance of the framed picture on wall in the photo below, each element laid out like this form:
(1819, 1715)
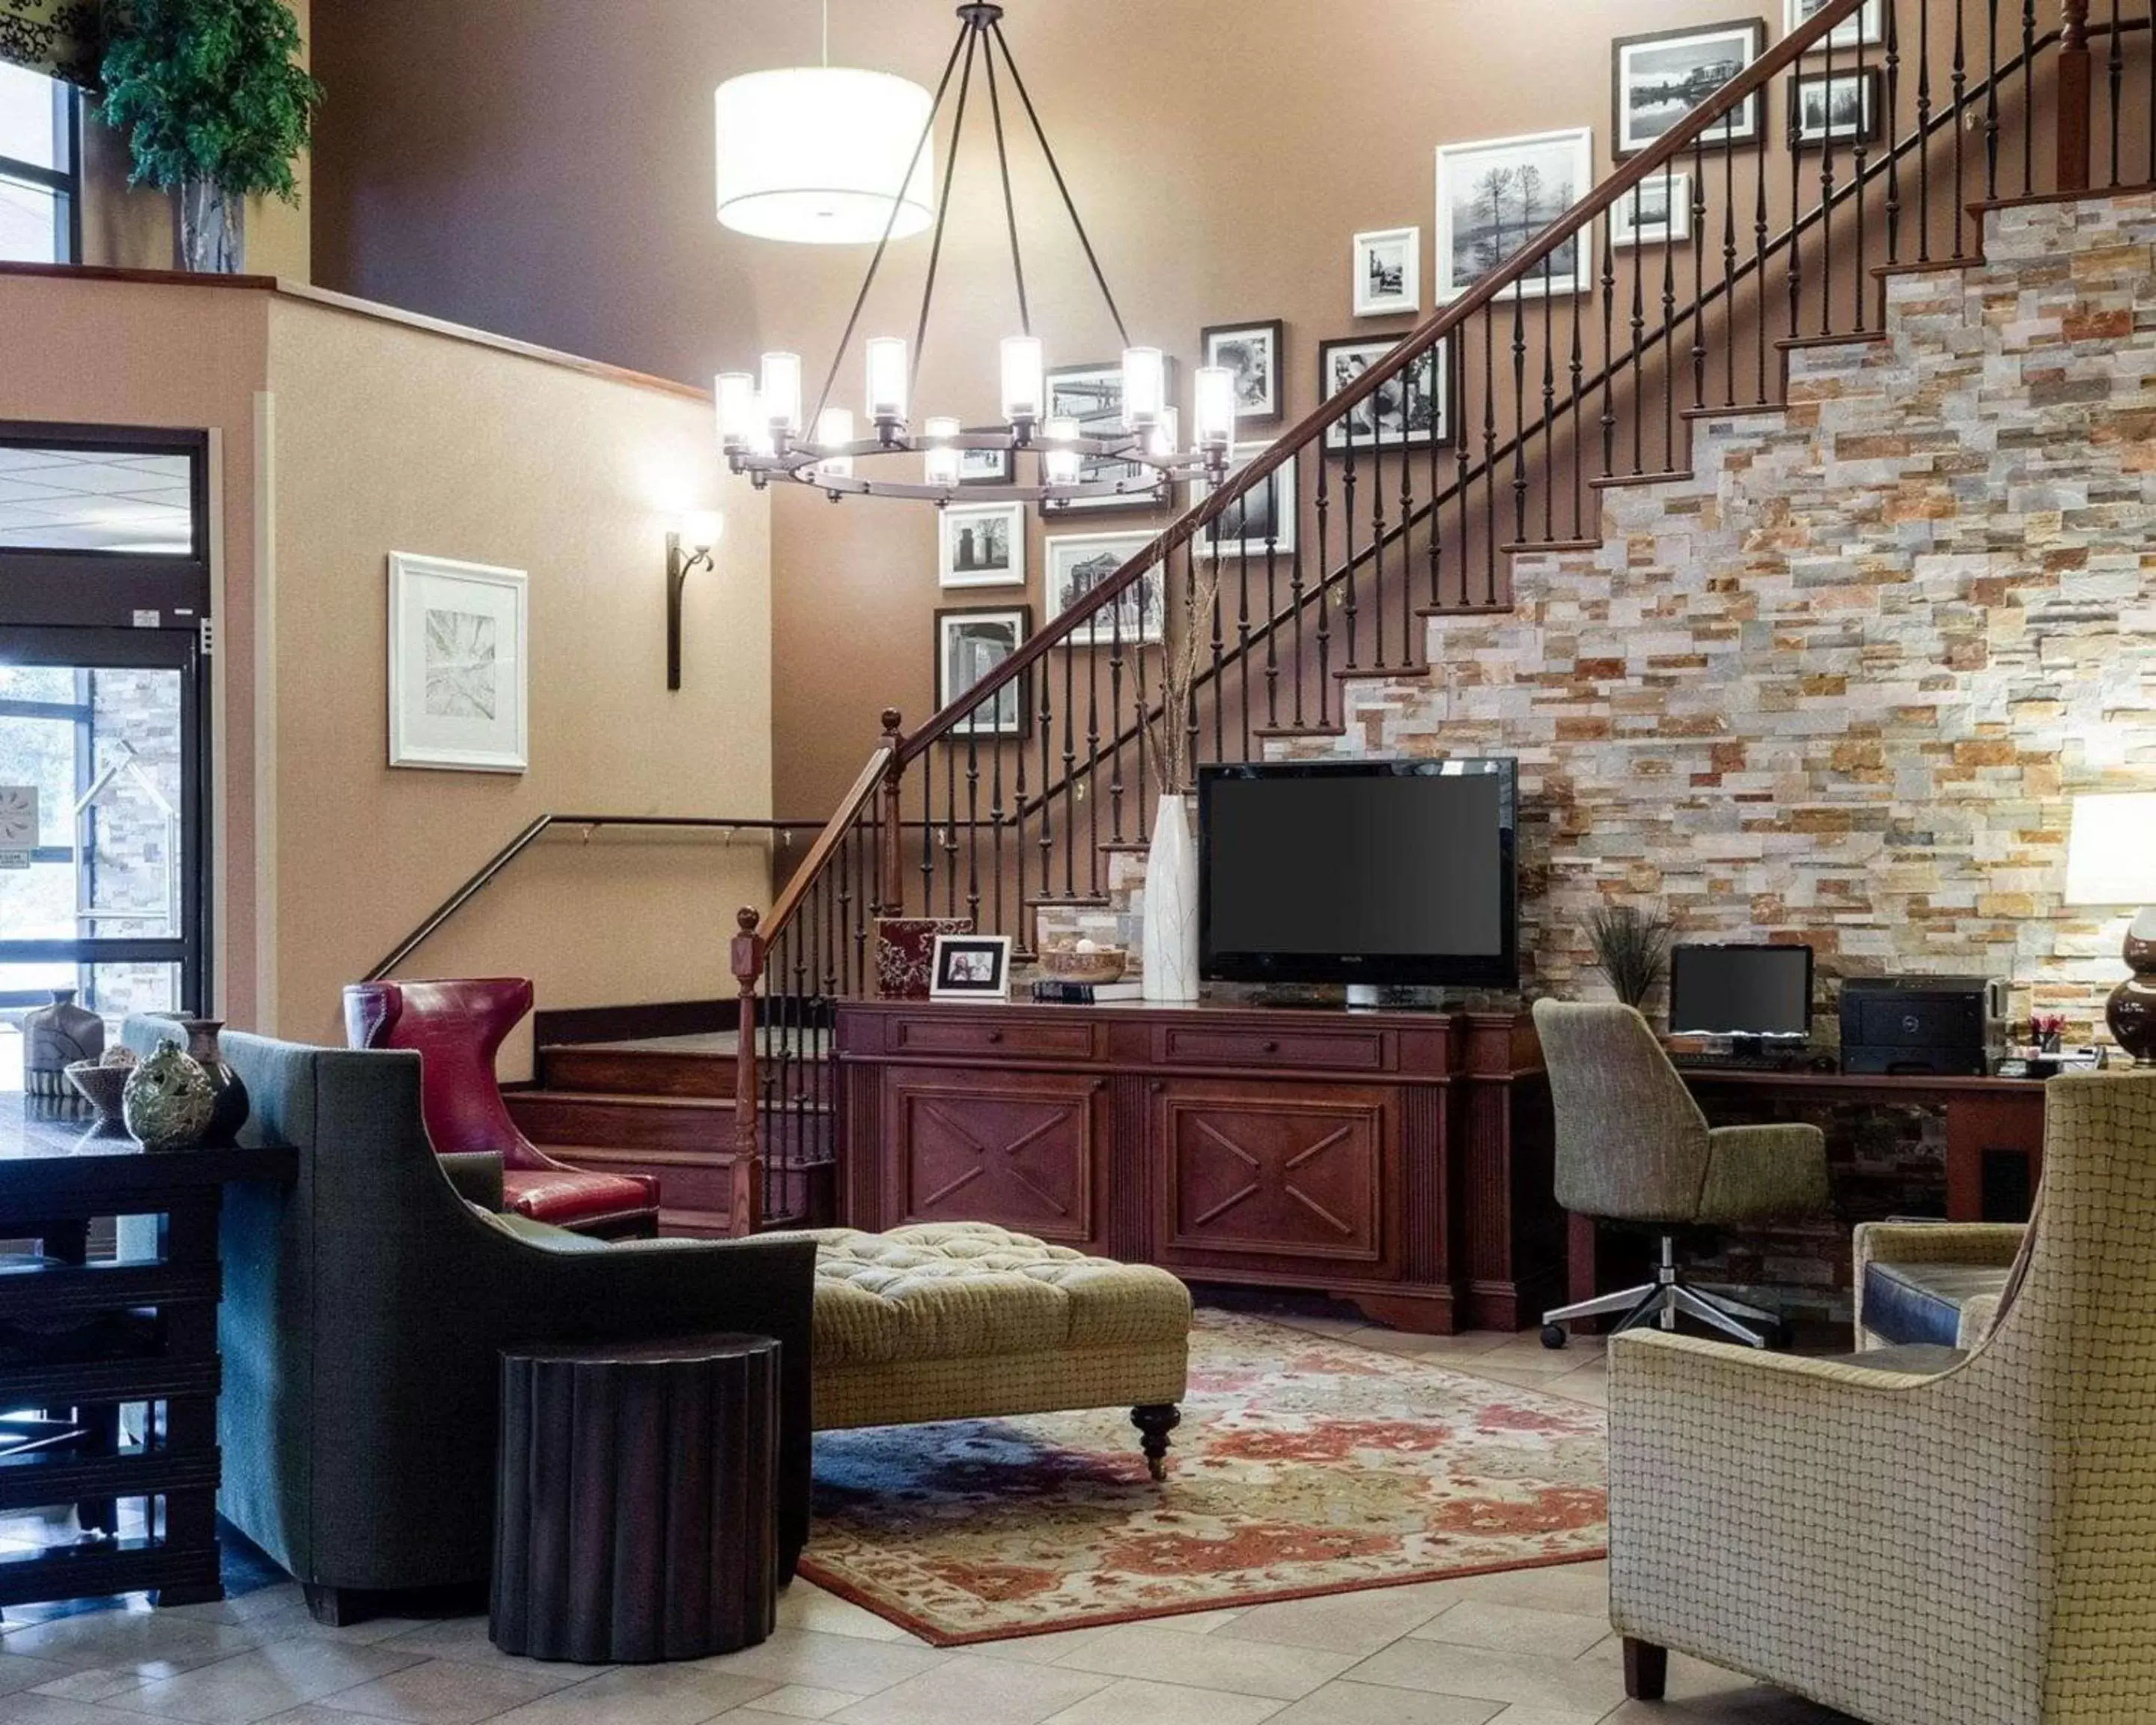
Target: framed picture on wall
(1494, 197)
(1656, 79)
(981, 545)
(987, 467)
(1868, 27)
(459, 665)
(1263, 519)
(1834, 108)
(1253, 352)
(1093, 396)
(1388, 272)
(970, 966)
(971, 642)
(1412, 410)
(1079, 563)
(1656, 210)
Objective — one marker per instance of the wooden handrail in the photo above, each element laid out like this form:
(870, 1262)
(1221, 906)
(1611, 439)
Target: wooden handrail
(1426, 335)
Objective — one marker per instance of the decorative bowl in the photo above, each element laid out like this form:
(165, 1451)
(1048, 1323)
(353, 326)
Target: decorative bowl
(1074, 964)
(101, 1085)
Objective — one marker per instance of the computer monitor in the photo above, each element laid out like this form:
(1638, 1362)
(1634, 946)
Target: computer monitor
(1741, 991)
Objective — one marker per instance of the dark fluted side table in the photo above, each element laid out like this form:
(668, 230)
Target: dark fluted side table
(636, 1494)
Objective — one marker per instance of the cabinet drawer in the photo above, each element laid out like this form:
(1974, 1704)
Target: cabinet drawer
(1302, 1049)
(992, 1038)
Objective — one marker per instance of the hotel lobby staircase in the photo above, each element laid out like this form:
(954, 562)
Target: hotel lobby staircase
(1568, 384)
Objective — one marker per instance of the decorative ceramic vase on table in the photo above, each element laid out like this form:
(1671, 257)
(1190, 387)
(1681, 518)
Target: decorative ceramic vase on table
(229, 1112)
(53, 1039)
(1171, 905)
(169, 1099)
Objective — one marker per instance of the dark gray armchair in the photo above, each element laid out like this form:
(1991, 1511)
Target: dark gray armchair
(364, 1308)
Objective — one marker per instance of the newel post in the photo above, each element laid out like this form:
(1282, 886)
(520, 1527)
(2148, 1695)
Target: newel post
(891, 869)
(745, 1206)
(2076, 95)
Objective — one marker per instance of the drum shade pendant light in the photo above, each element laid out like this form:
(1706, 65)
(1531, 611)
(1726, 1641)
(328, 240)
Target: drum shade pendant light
(824, 155)
(770, 430)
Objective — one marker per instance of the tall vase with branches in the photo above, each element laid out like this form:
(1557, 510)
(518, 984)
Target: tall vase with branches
(216, 111)
(1170, 967)
(1632, 950)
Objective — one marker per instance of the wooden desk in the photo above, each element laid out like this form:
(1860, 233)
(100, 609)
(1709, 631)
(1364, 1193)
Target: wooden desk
(1994, 1132)
(58, 1173)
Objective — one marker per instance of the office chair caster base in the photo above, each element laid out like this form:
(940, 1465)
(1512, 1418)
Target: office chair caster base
(1555, 1335)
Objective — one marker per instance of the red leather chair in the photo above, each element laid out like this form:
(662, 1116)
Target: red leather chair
(457, 1027)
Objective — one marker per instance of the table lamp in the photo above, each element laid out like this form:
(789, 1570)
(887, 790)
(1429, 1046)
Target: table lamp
(2110, 859)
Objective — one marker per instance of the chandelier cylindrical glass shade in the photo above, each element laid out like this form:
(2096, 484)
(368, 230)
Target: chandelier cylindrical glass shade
(886, 377)
(820, 155)
(834, 430)
(740, 419)
(1145, 386)
(1213, 408)
(782, 393)
(1023, 378)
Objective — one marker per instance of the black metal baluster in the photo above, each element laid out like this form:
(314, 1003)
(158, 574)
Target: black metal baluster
(2028, 96)
(1924, 131)
(1218, 641)
(996, 813)
(1729, 265)
(1350, 604)
(1022, 695)
(1585, 240)
(1609, 343)
(1323, 508)
(1297, 659)
(1454, 399)
(1046, 813)
(1519, 411)
(1639, 376)
(1243, 610)
(2114, 81)
(1069, 761)
(1089, 793)
(1796, 269)
(1549, 397)
(1114, 718)
(1859, 280)
(1826, 188)
(928, 839)
(1991, 101)
(1377, 535)
(1490, 452)
(1893, 100)
(1188, 718)
(1435, 409)
(1959, 80)
(1414, 403)
(842, 946)
(973, 818)
(950, 826)
(1759, 259)
(1669, 320)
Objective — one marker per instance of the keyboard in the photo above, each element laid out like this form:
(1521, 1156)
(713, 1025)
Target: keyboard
(1689, 1062)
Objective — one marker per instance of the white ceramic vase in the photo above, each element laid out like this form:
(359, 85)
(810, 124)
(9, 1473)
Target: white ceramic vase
(1171, 904)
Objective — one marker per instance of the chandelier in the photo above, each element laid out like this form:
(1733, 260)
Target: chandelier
(1134, 451)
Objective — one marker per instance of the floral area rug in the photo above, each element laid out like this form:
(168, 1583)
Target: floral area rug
(1302, 1466)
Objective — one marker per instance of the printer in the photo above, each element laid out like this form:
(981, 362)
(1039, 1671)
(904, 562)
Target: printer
(1931, 1026)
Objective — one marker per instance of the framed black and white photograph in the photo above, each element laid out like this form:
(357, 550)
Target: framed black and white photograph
(1833, 107)
(1868, 27)
(970, 966)
(981, 545)
(1253, 352)
(1093, 396)
(1657, 79)
(971, 642)
(1388, 272)
(1079, 563)
(1658, 210)
(987, 467)
(459, 665)
(1494, 197)
(1261, 520)
(1413, 409)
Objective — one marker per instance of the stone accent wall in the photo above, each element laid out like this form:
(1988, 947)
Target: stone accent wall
(1840, 686)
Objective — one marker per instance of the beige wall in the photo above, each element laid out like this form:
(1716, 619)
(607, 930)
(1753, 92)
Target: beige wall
(131, 229)
(375, 435)
(392, 439)
(544, 167)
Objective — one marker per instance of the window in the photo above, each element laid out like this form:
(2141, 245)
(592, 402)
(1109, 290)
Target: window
(40, 169)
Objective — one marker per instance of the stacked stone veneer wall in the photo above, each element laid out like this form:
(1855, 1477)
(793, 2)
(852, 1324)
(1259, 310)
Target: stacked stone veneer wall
(1841, 685)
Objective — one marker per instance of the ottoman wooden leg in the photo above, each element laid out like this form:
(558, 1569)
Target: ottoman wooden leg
(1154, 1421)
(1647, 1670)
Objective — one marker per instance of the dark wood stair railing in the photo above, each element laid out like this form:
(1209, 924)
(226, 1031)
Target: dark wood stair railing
(1576, 365)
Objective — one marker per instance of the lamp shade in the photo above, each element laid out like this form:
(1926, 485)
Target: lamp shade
(820, 154)
(2111, 849)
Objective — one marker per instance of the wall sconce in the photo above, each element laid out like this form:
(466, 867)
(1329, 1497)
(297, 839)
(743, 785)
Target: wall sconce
(688, 547)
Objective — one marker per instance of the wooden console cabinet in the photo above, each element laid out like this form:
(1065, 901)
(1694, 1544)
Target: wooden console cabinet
(1399, 1160)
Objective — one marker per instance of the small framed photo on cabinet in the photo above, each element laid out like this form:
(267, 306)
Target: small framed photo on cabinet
(970, 966)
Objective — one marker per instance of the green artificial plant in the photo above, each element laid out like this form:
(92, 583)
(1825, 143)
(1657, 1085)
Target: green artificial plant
(1633, 950)
(215, 108)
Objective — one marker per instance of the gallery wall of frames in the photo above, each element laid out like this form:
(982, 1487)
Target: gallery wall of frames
(1489, 198)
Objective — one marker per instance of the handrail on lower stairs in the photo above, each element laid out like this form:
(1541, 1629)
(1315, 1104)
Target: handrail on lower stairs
(538, 828)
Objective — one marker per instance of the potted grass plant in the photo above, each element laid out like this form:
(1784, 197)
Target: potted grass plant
(1632, 950)
(215, 109)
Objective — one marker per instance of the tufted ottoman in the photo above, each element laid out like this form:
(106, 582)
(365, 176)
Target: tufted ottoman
(968, 1321)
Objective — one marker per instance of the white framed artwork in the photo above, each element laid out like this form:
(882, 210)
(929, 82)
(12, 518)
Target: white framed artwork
(1496, 195)
(460, 664)
(1262, 519)
(1388, 266)
(981, 545)
(1079, 563)
(1656, 210)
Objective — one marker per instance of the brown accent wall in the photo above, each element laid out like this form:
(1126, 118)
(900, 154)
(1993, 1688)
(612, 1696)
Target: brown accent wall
(544, 167)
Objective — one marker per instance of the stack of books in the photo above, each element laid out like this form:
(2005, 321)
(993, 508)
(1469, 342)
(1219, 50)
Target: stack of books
(1056, 992)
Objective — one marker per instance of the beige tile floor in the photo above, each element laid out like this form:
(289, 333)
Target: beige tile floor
(1529, 1648)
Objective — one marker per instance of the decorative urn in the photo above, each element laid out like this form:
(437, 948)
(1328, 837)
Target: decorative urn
(56, 1037)
(168, 1100)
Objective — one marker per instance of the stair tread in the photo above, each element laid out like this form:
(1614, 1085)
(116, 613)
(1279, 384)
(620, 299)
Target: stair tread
(635, 1098)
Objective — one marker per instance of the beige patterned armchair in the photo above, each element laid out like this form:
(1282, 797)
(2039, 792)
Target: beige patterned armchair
(1975, 1545)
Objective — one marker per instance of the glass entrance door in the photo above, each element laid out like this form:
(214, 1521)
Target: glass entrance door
(102, 728)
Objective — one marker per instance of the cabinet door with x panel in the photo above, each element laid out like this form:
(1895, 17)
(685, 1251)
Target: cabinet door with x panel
(1014, 1147)
(1286, 1179)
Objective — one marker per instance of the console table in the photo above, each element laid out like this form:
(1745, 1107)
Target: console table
(150, 1327)
(1398, 1160)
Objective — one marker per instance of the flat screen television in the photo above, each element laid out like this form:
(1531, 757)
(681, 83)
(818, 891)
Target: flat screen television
(1397, 872)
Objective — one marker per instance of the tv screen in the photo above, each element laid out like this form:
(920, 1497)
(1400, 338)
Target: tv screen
(1365, 871)
(1740, 990)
